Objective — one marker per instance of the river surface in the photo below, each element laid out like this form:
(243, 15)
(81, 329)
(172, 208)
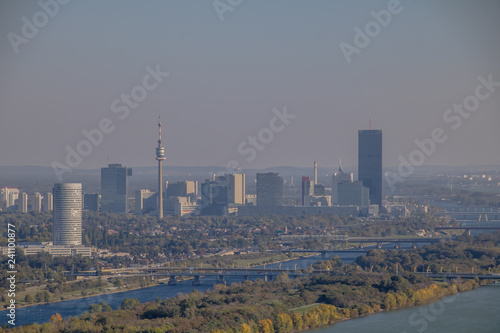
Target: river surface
(473, 311)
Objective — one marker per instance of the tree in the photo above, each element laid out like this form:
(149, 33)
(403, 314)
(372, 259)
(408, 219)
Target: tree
(129, 304)
(95, 308)
(29, 299)
(389, 302)
(56, 318)
(265, 326)
(298, 322)
(283, 323)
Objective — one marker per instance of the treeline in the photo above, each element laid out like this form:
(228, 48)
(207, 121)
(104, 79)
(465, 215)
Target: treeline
(479, 254)
(459, 196)
(403, 226)
(146, 238)
(258, 306)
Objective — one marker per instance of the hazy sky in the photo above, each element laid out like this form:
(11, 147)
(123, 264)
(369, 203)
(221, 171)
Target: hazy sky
(226, 77)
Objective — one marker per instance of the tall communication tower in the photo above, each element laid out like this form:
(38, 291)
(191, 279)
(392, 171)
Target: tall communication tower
(160, 156)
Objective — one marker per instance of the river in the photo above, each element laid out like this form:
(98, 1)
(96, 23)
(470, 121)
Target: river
(473, 311)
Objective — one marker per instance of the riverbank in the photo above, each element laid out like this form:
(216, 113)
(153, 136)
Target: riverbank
(449, 314)
(258, 304)
(449, 299)
(126, 289)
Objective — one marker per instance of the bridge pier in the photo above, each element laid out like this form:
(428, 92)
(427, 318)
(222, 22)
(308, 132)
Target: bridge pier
(414, 246)
(220, 280)
(396, 246)
(361, 245)
(172, 281)
(379, 245)
(196, 281)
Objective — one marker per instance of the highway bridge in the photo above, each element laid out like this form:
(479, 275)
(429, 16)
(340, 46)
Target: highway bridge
(455, 276)
(267, 274)
(467, 229)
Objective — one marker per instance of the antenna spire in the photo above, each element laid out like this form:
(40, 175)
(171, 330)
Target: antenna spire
(159, 130)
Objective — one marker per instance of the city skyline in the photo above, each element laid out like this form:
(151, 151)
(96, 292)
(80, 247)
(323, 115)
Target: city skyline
(219, 83)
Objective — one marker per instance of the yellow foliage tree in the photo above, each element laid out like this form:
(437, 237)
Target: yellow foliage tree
(298, 322)
(284, 323)
(389, 301)
(56, 318)
(245, 328)
(265, 326)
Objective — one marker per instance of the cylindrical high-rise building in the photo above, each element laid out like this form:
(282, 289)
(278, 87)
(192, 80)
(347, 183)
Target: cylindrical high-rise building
(67, 214)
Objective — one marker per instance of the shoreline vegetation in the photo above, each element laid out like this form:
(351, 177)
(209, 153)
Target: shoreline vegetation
(126, 288)
(304, 318)
(381, 280)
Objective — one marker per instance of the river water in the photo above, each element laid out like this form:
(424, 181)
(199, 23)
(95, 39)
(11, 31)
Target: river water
(473, 311)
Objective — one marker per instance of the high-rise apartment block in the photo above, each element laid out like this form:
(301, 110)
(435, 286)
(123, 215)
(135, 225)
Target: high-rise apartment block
(236, 188)
(184, 188)
(48, 202)
(22, 203)
(145, 202)
(9, 195)
(307, 188)
(36, 202)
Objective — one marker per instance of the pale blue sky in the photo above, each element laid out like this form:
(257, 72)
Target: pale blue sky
(226, 78)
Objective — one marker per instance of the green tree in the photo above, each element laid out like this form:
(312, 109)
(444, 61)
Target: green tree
(129, 304)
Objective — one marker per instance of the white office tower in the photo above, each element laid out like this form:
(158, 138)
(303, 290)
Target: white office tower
(67, 214)
(339, 177)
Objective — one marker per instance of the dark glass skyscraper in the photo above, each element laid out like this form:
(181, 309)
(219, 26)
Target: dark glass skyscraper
(114, 186)
(370, 163)
(214, 198)
(269, 190)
